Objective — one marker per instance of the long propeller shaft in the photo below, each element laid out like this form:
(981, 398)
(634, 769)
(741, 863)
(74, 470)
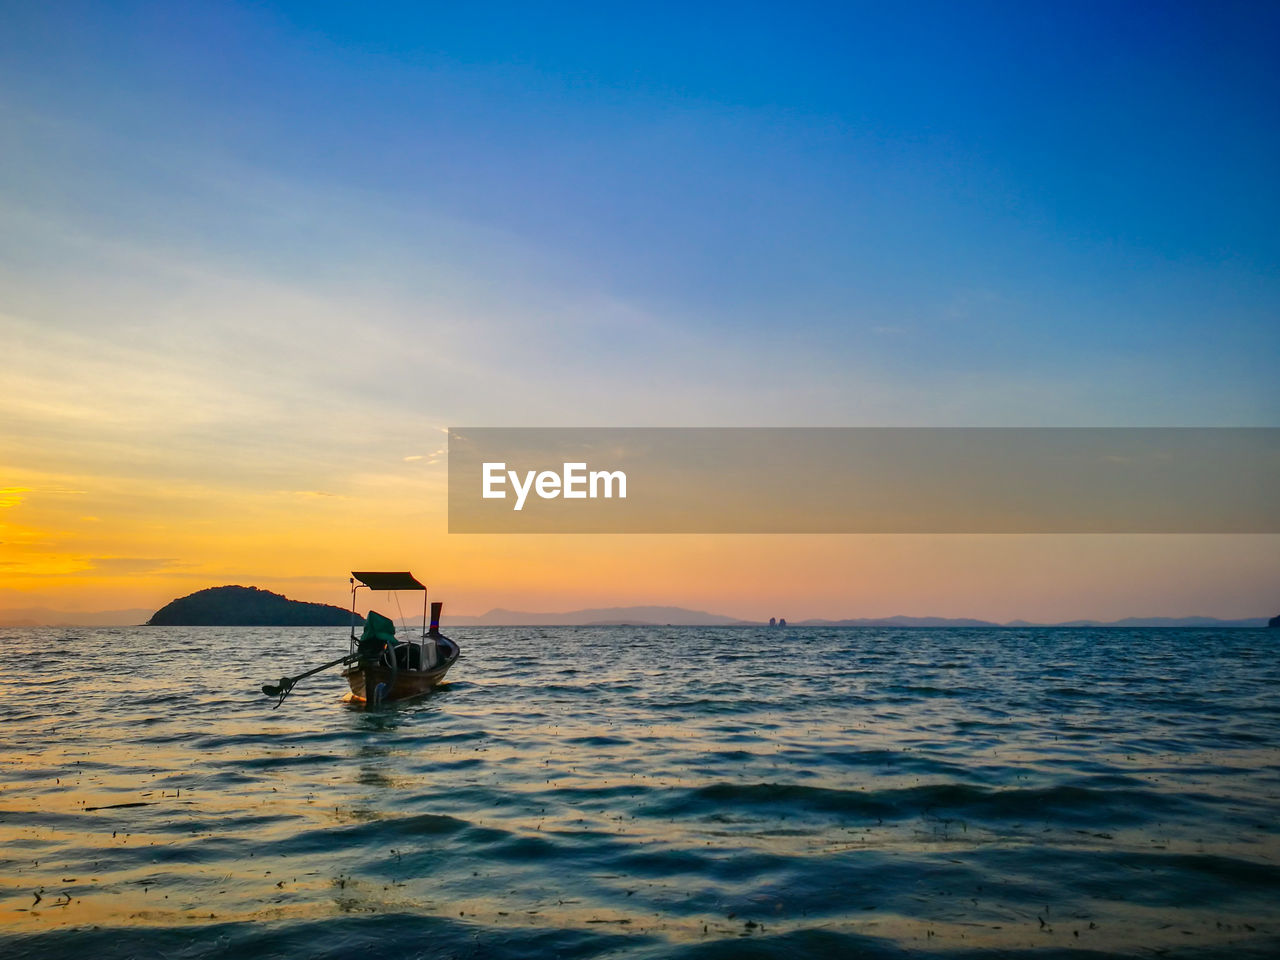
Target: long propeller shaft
(285, 685)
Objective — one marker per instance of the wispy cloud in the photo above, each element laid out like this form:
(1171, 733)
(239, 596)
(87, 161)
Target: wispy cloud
(131, 566)
(12, 496)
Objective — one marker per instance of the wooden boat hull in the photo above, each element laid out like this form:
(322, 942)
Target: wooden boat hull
(400, 685)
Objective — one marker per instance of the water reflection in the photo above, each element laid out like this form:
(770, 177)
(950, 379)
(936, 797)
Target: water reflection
(955, 787)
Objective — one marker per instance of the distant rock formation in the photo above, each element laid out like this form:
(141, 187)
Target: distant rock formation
(235, 606)
(1274, 622)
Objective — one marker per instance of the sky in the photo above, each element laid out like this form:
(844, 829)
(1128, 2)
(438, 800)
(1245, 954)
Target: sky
(255, 258)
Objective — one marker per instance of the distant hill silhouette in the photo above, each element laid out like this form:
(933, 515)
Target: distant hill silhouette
(235, 606)
(1213, 623)
(45, 617)
(679, 616)
(599, 617)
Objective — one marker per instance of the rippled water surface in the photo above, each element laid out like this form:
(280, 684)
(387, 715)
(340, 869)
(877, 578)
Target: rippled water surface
(644, 792)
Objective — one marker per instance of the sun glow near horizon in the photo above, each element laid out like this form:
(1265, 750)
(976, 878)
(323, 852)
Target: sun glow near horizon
(142, 547)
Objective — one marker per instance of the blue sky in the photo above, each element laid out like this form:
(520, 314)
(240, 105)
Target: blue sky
(262, 247)
(943, 193)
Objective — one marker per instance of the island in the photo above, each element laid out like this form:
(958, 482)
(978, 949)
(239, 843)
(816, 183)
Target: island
(1274, 622)
(236, 606)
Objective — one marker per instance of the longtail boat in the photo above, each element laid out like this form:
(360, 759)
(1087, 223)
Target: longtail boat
(381, 666)
(387, 668)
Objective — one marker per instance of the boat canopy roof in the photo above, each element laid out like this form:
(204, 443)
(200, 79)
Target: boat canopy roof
(393, 580)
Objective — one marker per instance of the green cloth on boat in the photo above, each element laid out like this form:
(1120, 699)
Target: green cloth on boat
(379, 631)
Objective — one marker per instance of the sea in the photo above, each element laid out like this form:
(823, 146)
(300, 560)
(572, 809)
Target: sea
(644, 792)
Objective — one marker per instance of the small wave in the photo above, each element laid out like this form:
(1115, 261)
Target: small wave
(793, 945)
(389, 933)
(374, 831)
(1058, 803)
(598, 741)
(925, 690)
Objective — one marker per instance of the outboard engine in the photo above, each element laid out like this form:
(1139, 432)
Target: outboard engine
(447, 649)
